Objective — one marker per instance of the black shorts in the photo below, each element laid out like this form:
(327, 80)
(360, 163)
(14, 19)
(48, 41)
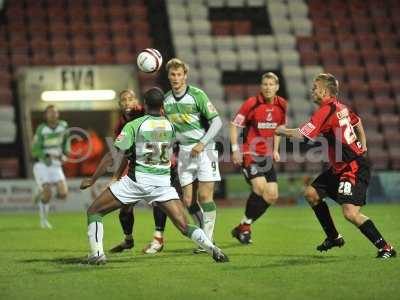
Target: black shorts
(349, 186)
(261, 168)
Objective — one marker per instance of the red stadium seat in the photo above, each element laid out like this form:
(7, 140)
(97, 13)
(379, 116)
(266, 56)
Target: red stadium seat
(310, 58)
(58, 42)
(366, 108)
(121, 40)
(9, 167)
(355, 73)
(371, 56)
(101, 40)
(362, 25)
(366, 41)
(306, 43)
(330, 58)
(62, 57)
(376, 72)
(41, 57)
(326, 43)
(347, 42)
(393, 71)
(234, 91)
(242, 27)
(391, 55)
(385, 105)
(338, 72)
(5, 96)
(221, 27)
(124, 56)
(81, 41)
(82, 57)
(380, 88)
(39, 42)
(351, 57)
(103, 56)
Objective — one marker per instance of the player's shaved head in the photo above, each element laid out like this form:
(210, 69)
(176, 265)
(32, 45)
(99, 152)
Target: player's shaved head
(154, 98)
(330, 83)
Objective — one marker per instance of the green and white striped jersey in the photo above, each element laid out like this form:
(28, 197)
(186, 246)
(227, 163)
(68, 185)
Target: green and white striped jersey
(186, 114)
(50, 141)
(150, 140)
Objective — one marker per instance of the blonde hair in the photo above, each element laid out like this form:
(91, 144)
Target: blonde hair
(129, 91)
(330, 82)
(270, 75)
(176, 63)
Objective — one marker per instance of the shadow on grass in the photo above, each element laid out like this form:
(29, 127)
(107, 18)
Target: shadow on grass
(284, 261)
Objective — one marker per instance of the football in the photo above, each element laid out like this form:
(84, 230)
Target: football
(149, 60)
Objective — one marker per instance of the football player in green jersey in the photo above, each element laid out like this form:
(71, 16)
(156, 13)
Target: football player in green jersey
(196, 122)
(50, 145)
(148, 141)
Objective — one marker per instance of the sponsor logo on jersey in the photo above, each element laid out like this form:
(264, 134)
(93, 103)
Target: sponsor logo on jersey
(342, 114)
(120, 137)
(307, 128)
(239, 120)
(267, 125)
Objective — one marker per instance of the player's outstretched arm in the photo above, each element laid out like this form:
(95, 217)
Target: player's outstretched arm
(360, 132)
(101, 169)
(288, 132)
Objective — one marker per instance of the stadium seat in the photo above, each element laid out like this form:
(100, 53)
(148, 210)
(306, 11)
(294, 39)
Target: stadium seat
(221, 27)
(9, 167)
(355, 73)
(380, 89)
(241, 27)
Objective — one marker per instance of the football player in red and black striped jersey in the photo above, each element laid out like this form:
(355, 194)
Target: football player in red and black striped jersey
(259, 116)
(347, 180)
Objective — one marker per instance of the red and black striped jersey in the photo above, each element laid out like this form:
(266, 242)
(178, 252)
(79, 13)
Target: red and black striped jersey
(335, 121)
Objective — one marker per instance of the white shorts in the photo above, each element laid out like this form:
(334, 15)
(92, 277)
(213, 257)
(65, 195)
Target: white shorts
(204, 167)
(47, 174)
(129, 192)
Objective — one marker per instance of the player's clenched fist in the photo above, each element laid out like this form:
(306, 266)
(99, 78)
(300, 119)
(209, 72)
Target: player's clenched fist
(236, 158)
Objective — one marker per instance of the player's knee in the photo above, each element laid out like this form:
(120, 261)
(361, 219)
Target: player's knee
(258, 189)
(311, 195)
(271, 197)
(46, 195)
(62, 195)
(350, 215)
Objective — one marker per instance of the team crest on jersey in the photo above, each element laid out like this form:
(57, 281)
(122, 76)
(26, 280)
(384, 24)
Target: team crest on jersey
(211, 107)
(269, 115)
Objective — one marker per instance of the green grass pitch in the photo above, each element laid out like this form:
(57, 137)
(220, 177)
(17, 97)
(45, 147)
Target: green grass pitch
(282, 262)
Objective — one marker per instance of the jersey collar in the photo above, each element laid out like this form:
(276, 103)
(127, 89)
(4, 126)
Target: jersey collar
(179, 98)
(327, 101)
(261, 99)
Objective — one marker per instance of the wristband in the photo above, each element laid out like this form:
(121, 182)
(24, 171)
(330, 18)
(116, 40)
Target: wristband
(235, 147)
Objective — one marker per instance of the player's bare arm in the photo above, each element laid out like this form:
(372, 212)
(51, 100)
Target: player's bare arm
(360, 132)
(236, 155)
(275, 154)
(288, 132)
(105, 163)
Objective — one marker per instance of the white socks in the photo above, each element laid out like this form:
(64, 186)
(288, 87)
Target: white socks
(43, 210)
(95, 234)
(209, 216)
(200, 238)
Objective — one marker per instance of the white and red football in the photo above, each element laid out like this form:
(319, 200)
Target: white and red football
(149, 60)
